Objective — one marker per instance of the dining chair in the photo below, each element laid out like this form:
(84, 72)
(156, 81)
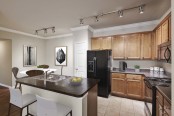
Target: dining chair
(47, 107)
(20, 101)
(32, 73)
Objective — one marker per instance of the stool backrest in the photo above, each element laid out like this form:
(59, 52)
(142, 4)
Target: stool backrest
(16, 97)
(15, 71)
(32, 73)
(46, 107)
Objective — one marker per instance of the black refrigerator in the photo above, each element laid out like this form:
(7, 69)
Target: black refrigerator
(98, 67)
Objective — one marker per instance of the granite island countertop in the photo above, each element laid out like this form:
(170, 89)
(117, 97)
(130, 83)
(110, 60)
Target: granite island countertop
(62, 86)
(146, 73)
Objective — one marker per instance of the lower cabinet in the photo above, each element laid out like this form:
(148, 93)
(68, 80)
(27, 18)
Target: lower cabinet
(128, 85)
(163, 106)
(118, 84)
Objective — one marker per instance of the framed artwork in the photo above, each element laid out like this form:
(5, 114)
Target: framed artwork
(29, 56)
(61, 56)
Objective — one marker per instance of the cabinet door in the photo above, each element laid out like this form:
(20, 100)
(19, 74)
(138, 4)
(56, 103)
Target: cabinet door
(146, 46)
(132, 46)
(167, 108)
(134, 86)
(170, 29)
(96, 43)
(158, 36)
(118, 84)
(159, 109)
(118, 47)
(165, 31)
(154, 46)
(106, 42)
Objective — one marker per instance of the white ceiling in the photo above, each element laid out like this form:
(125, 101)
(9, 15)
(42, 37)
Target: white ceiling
(29, 15)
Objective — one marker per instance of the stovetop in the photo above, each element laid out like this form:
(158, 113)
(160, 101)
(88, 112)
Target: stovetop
(165, 82)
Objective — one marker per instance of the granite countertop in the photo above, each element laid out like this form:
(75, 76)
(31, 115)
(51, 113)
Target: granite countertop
(165, 91)
(62, 86)
(144, 72)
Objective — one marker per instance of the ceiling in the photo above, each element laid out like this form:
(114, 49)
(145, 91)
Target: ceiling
(29, 15)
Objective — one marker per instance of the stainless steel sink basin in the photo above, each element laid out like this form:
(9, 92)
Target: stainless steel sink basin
(51, 77)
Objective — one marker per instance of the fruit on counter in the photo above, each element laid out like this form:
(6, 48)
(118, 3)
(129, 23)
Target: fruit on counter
(76, 79)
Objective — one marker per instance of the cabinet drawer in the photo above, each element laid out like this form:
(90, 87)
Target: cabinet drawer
(134, 77)
(118, 75)
(159, 97)
(167, 107)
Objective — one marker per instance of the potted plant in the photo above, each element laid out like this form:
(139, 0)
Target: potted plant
(137, 68)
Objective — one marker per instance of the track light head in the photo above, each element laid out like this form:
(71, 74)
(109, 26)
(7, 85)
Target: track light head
(45, 31)
(96, 18)
(141, 10)
(120, 13)
(81, 22)
(53, 29)
(36, 32)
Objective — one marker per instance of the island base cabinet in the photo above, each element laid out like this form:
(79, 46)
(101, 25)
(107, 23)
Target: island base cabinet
(79, 105)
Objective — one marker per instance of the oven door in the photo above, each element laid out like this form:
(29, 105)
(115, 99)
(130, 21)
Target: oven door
(148, 98)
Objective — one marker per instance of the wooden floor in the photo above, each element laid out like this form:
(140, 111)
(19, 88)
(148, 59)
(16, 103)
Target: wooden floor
(4, 103)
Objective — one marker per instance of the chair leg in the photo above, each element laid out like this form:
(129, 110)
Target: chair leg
(9, 108)
(69, 113)
(16, 85)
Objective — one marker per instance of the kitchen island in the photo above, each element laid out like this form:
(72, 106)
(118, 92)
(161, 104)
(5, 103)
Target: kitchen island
(82, 98)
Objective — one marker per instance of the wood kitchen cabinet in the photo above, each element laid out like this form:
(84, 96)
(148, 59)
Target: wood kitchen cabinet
(132, 46)
(101, 43)
(165, 31)
(118, 84)
(127, 85)
(146, 45)
(134, 86)
(163, 106)
(118, 47)
(170, 37)
(158, 36)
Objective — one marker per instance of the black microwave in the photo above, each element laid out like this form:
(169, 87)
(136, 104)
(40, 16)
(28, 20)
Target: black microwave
(164, 52)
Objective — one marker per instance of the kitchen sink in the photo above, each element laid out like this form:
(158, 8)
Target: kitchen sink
(51, 77)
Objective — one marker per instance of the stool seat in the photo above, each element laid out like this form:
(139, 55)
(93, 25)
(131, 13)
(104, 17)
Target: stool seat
(28, 99)
(51, 108)
(21, 101)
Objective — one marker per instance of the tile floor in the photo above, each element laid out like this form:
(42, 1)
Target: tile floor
(116, 106)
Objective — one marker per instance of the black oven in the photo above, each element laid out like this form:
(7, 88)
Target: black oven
(150, 99)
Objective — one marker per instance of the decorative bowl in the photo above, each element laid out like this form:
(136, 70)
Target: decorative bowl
(75, 81)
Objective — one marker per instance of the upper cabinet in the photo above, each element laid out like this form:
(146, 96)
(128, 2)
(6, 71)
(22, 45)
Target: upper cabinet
(118, 47)
(132, 46)
(165, 31)
(100, 43)
(158, 36)
(170, 28)
(146, 45)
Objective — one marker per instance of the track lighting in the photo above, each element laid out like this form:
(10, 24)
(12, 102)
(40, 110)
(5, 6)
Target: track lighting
(141, 11)
(120, 13)
(45, 30)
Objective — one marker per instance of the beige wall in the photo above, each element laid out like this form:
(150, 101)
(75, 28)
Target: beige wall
(50, 54)
(5, 61)
(17, 49)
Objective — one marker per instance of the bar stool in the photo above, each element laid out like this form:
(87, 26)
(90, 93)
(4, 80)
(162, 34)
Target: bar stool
(51, 108)
(21, 101)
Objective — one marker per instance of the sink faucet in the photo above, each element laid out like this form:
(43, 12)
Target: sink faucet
(46, 73)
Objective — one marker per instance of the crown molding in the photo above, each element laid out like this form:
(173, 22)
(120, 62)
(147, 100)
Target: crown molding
(141, 24)
(168, 11)
(87, 27)
(20, 32)
(59, 36)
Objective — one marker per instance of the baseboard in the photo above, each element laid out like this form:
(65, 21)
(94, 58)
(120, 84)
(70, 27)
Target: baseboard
(5, 85)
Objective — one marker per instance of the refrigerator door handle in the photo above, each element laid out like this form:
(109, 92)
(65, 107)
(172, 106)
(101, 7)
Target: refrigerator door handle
(95, 66)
